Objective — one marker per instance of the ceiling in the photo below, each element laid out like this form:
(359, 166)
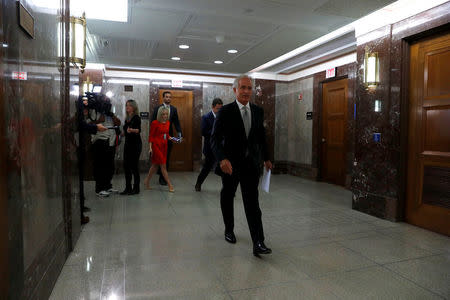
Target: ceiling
(260, 30)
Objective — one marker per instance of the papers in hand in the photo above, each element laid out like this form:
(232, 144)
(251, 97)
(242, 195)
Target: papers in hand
(176, 140)
(265, 182)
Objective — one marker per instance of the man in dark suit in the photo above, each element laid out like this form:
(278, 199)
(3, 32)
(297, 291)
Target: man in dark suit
(238, 141)
(174, 121)
(207, 126)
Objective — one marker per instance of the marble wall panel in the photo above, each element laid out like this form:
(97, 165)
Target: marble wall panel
(216, 90)
(32, 115)
(293, 133)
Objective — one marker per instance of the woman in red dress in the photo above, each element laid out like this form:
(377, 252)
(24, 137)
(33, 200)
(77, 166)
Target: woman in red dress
(159, 135)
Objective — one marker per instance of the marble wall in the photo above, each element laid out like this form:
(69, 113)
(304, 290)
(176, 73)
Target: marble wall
(379, 177)
(32, 113)
(216, 90)
(293, 132)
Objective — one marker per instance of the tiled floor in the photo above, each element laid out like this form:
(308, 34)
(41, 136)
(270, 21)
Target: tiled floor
(163, 245)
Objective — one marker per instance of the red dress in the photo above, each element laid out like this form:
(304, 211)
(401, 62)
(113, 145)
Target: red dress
(159, 135)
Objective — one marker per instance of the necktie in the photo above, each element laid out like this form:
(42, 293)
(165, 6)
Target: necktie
(246, 119)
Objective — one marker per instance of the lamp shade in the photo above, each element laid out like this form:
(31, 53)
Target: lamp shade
(371, 69)
(78, 41)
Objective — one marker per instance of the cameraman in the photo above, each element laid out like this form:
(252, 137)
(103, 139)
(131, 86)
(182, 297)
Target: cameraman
(85, 127)
(104, 146)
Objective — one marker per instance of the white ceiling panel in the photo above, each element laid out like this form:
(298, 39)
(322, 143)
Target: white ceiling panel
(259, 29)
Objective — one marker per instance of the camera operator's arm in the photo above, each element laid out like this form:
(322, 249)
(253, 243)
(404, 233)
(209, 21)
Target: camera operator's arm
(116, 120)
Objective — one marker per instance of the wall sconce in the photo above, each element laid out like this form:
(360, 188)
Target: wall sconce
(371, 69)
(78, 41)
(77, 34)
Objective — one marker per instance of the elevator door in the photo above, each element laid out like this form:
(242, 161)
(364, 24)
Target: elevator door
(181, 156)
(334, 129)
(428, 189)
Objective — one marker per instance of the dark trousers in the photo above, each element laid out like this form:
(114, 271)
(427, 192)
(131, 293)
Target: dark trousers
(248, 177)
(102, 167)
(131, 156)
(169, 150)
(207, 166)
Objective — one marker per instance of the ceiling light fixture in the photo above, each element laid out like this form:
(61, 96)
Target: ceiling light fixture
(183, 46)
(232, 51)
(176, 58)
(219, 62)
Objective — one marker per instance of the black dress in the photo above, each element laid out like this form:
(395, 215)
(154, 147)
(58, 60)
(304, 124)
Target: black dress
(132, 152)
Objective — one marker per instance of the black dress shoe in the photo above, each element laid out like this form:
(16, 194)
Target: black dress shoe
(84, 220)
(198, 188)
(136, 190)
(260, 248)
(162, 181)
(230, 237)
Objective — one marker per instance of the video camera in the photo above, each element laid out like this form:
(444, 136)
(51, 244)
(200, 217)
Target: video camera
(96, 101)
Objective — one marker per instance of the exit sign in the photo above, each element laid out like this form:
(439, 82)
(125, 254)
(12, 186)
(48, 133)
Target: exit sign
(331, 73)
(20, 75)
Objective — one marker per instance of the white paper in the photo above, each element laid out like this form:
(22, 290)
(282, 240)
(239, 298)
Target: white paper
(265, 182)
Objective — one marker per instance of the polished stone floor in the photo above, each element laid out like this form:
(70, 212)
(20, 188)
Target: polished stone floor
(164, 245)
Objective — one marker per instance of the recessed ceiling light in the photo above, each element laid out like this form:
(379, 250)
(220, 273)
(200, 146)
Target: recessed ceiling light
(176, 58)
(232, 51)
(183, 46)
(218, 62)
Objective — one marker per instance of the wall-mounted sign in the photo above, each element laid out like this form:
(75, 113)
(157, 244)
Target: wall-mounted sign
(331, 73)
(309, 115)
(128, 88)
(145, 115)
(177, 83)
(377, 137)
(19, 75)
(300, 97)
(26, 20)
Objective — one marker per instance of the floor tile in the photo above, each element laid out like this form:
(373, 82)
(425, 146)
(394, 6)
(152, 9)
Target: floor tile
(374, 283)
(432, 272)
(384, 249)
(321, 259)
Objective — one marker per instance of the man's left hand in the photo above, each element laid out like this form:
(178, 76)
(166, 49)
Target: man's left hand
(268, 165)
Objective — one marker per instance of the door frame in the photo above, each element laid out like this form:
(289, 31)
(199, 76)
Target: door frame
(320, 128)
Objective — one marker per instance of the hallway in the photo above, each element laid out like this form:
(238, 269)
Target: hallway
(162, 245)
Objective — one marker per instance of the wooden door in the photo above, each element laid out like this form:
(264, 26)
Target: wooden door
(334, 131)
(181, 156)
(428, 189)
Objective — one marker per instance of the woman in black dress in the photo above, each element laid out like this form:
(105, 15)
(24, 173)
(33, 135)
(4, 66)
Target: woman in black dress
(133, 147)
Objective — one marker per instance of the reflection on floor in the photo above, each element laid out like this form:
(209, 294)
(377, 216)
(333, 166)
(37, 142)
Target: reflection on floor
(163, 245)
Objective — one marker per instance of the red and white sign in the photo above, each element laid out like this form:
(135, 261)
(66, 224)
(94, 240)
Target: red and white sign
(177, 83)
(20, 75)
(331, 73)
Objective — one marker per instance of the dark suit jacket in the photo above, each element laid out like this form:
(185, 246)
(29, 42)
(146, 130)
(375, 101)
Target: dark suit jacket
(173, 119)
(228, 139)
(207, 127)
